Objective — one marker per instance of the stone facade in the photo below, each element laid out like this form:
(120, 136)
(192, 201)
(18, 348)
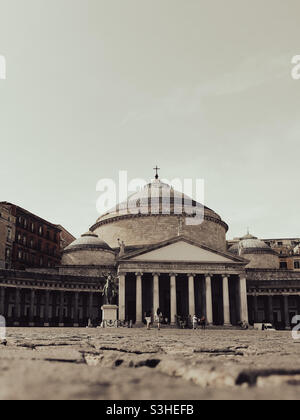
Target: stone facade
(35, 242)
(87, 257)
(159, 263)
(66, 238)
(87, 271)
(262, 260)
(7, 236)
(290, 262)
(273, 296)
(40, 299)
(140, 230)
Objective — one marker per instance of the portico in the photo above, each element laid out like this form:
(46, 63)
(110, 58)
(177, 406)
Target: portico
(165, 276)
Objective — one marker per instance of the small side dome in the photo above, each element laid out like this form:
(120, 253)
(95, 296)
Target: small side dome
(257, 252)
(88, 240)
(248, 245)
(88, 250)
(234, 249)
(249, 236)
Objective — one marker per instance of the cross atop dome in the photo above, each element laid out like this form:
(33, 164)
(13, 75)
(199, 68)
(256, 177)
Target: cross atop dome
(156, 169)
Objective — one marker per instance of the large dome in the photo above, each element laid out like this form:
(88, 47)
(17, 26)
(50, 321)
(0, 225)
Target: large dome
(157, 198)
(156, 213)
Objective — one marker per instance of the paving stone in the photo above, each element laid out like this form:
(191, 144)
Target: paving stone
(140, 364)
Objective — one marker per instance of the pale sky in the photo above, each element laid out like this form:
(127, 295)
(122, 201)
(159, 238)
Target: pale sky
(202, 88)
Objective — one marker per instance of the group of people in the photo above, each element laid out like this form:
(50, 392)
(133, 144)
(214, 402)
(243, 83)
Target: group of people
(188, 322)
(199, 321)
(158, 319)
(191, 322)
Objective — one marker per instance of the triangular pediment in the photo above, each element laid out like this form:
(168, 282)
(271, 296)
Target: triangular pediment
(181, 250)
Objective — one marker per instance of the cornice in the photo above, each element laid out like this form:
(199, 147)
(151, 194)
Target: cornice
(87, 248)
(114, 219)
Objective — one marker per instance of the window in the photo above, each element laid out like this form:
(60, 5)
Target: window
(25, 223)
(19, 254)
(32, 227)
(41, 230)
(24, 240)
(19, 237)
(9, 235)
(7, 254)
(283, 265)
(297, 265)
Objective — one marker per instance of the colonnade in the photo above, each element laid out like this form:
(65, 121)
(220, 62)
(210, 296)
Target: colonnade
(209, 278)
(49, 307)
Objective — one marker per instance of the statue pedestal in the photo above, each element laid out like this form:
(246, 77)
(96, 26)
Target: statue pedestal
(109, 316)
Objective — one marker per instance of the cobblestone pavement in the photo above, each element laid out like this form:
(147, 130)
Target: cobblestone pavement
(137, 364)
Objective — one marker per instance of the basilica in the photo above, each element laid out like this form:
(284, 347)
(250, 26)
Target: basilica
(157, 260)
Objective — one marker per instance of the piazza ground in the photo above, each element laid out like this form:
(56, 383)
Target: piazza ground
(137, 364)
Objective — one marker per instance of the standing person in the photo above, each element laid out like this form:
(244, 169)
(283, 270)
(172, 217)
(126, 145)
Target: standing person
(203, 322)
(148, 320)
(195, 322)
(158, 318)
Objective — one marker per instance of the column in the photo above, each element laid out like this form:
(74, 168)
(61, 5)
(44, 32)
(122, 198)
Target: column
(38, 305)
(31, 311)
(192, 310)
(226, 300)
(47, 309)
(270, 310)
(155, 292)
(139, 299)
(2, 301)
(76, 308)
(91, 302)
(61, 308)
(255, 309)
(209, 302)
(286, 312)
(243, 299)
(122, 282)
(298, 305)
(173, 296)
(17, 308)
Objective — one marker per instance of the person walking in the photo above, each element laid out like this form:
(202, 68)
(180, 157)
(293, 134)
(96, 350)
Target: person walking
(148, 320)
(158, 318)
(195, 322)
